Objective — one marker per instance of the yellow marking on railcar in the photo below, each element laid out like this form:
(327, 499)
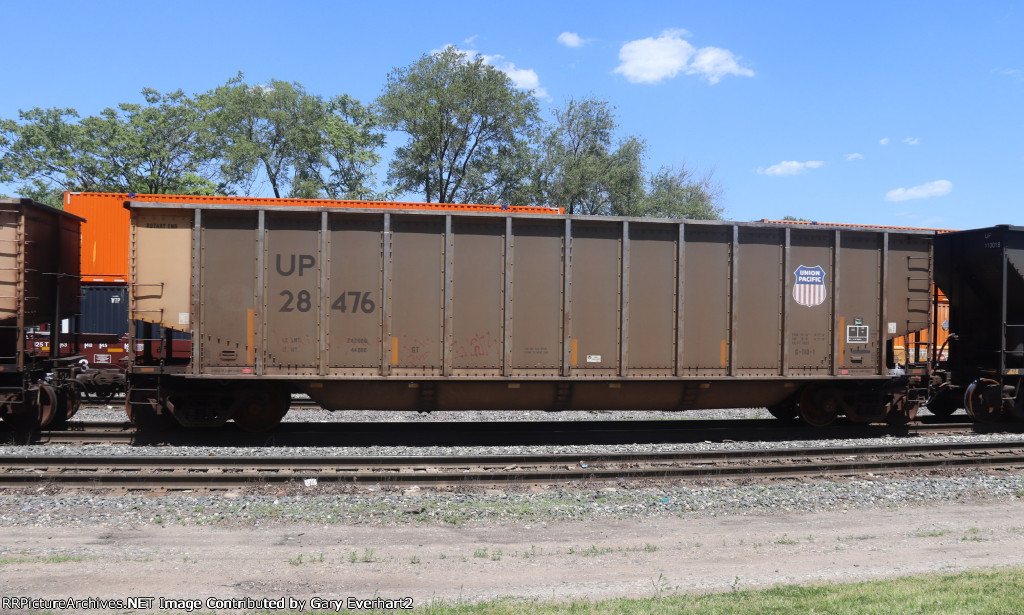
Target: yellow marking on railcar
(573, 352)
(394, 351)
(725, 353)
(842, 339)
(250, 336)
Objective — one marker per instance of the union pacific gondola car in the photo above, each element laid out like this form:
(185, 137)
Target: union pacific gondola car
(482, 310)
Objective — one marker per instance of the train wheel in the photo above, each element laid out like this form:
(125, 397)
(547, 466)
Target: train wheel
(902, 410)
(786, 411)
(259, 411)
(944, 403)
(142, 412)
(49, 404)
(67, 406)
(819, 406)
(984, 400)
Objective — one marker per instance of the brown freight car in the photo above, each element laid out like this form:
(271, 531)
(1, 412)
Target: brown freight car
(430, 310)
(39, 288)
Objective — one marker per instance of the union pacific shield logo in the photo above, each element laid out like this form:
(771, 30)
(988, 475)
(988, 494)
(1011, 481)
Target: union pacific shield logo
(809, 288)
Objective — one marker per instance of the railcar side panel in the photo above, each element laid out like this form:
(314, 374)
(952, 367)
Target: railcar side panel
(161, 287)
(759, 289)
(595, 297)
(537, 285)
(908, 284)
(354, 295)
(417, 282)
(476, 315)
(227, 305)
(651, 300)
(810, 289)
(860, 266)
(292, 297)
(707, 302)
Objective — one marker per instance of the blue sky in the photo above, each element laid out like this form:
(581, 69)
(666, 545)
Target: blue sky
(900, 113)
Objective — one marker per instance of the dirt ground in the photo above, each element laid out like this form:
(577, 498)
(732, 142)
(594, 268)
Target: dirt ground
(558, 560)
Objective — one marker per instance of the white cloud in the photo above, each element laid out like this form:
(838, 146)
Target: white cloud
(714, 63)
(469, 41)
(884, 142)
(1013, 73)
(941, 187)
(854, 156)
(790, 167)
(522, 78)
(912, 140)
(571, 39)
(650, 60)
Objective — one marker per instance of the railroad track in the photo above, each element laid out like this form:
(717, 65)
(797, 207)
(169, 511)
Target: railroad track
(494, 433)
(194, 472)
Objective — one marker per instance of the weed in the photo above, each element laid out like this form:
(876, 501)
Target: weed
(930, 533)
(786, 540)
(973, 535)
(661, 586)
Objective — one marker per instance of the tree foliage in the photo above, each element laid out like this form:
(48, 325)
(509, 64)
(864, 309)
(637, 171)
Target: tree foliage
(470, 137)
(582, 171)
(159, 146)
(678, 193)
(586, 172)
(469, 129)
(303, 145)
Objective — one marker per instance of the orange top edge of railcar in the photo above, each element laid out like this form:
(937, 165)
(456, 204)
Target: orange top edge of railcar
(105, 234)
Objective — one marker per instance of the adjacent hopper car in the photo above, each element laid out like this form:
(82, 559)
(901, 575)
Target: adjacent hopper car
(237, 304)
(39, 289)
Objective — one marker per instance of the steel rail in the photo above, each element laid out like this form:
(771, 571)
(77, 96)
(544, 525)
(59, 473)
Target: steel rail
(232, 472)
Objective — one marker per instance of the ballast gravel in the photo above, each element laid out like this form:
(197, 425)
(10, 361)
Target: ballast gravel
(390, 504)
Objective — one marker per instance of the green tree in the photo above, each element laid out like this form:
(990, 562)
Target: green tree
(678, 193)
(159, 146)
(469, 130)
(303, 145)
(583, 171)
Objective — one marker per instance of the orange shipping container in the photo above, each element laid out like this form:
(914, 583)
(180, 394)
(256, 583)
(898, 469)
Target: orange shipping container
(105, 236)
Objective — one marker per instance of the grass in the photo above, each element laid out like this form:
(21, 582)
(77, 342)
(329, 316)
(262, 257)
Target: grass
(991, 592)
(44, 559)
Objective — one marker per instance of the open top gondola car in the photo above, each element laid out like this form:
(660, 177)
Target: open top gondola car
(432, 310)
(39, 294)
(982, 273)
